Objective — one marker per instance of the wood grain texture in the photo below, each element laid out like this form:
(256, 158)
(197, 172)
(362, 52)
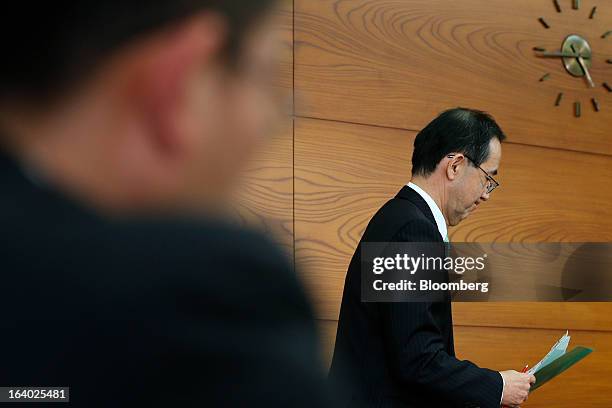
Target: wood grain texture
(265, 195)
(545, 315)
(345, 172)
(585, 385)
(398, 63)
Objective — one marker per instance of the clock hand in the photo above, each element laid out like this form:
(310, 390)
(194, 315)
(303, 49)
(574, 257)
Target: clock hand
(586, 72)
(558, 54)
(584, 68)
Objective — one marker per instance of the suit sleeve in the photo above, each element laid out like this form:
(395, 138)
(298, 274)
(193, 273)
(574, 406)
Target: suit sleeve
(416, 347)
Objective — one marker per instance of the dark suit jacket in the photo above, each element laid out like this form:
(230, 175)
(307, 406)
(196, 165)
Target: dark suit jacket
(402, 354)
(172, 313)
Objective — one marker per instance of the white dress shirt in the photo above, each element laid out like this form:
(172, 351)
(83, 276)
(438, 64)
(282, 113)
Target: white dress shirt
(435, 210)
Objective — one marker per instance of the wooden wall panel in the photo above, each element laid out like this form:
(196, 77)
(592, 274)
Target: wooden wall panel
(398, 63)
(345, 172)
(586, 385)
(546, 315)
(265, 195)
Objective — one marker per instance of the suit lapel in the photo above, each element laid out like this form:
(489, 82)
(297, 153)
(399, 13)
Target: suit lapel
(406, 193)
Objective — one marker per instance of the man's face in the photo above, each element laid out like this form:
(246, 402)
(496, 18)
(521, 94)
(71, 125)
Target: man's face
(470, 189)
(233, 112)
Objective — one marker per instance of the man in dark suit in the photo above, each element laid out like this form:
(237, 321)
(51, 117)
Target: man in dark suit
(401, 354)
(122, 127)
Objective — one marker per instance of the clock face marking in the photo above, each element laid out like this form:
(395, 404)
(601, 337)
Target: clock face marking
(545, 77)
(576, 56)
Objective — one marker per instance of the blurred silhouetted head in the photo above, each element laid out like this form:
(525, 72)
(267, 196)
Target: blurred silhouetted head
(137, 105)
(48, 46)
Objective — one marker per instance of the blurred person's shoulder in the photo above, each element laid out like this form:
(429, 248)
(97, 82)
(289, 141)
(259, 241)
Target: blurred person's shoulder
(201, 257)
(222, 255)
(45, 232)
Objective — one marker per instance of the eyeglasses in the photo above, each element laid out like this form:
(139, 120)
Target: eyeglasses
(492, 184)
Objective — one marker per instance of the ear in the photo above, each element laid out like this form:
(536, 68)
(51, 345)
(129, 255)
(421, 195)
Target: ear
(454, 166)
(163, 69)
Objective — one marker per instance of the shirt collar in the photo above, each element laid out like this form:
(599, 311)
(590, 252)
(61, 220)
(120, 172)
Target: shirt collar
(435, 210)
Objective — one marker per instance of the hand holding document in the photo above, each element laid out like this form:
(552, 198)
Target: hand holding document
(557, 361)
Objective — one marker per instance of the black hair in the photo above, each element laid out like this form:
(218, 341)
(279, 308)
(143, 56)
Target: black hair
(48, 45)
(459, 130)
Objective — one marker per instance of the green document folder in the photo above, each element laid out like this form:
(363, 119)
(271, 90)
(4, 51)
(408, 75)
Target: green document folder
(558, 366)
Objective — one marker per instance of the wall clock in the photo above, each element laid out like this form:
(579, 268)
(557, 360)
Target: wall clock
(576, 58)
